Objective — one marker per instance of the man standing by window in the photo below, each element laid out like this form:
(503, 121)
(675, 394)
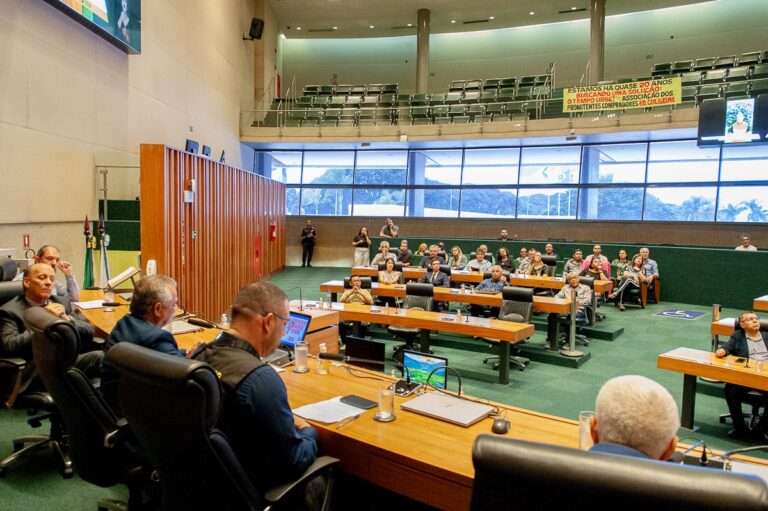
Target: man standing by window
(308, 236)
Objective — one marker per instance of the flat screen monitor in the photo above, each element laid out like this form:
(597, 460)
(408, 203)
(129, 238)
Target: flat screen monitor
(733, 121)
(191, 146)
(117, 21)
(419, 365)
(365, 349)
(295, 329)
(206, 151)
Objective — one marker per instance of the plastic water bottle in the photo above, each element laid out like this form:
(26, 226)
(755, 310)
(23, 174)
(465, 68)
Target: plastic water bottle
(322, 364)
(224, 322)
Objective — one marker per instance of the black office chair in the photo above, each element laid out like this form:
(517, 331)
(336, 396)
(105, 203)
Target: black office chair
(518, 307)
(418, 296)
(398, 267)
(14, 372)
(8, 270)
(551, 262)
(530, 475)
(755, 399)
(365, 283)
(587, 319)
(96, 437)
(177, 428)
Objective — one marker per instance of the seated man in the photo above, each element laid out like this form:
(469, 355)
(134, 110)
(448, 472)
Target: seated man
(750, 343)
(495, 283)
(503, 236)
(635, 416)
(404, 255)
(255, 400)
(523, 256)
(153, 306)
(383, 254)
(574, 265)
(389, 230)
(16, 339)
(426, 261)
(436, 277)
(51, 255)
(605, 264)
(549, 250)
(355, 294)
(746, 243)
(488, 255)
(479, 263)
(526, 261)
(650, 266)
(583, 294)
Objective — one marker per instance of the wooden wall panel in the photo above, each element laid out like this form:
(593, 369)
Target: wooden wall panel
(208, 245)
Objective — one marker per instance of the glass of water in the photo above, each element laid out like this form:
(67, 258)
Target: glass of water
(386, 411)
(300, 359)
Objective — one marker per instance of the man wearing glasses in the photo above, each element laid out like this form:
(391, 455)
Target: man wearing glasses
(750, 343)
(273, 445)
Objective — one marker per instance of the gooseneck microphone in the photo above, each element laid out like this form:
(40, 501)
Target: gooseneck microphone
(301, 300)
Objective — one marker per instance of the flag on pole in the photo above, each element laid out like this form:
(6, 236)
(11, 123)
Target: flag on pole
(90, 244)
(104, 240)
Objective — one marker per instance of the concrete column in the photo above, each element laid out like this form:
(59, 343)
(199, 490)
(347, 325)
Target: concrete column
(596, 40)
(422, 51)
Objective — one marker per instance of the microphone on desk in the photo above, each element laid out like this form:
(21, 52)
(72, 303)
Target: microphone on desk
(301, 301)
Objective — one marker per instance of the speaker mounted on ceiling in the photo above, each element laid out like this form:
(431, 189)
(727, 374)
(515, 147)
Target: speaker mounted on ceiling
(256, 30)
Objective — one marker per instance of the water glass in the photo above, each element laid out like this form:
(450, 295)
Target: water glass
(300, 359)
(386, 411)
(585, 433)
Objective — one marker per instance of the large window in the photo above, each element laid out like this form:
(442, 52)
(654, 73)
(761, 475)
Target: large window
(629, 181)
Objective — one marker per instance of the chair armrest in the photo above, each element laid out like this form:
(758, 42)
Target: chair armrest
(112, 437)
(13, 362)
(10, 388)
(321, 465)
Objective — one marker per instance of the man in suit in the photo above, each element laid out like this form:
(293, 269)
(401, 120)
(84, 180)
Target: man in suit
(16, 340)
(153, 306)
(51, 255)
(436, 277)
(747, 342)
(635, 416)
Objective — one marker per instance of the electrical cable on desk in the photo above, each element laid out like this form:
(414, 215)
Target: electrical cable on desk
(351, 369)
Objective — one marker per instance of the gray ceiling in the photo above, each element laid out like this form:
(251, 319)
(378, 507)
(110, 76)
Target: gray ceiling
(353, 18)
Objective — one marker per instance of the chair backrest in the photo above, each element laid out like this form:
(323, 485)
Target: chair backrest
(510, 470)
(445, 269)
(383, 266)
(10, 290)
(587, 281)
(365, 283)
(8, 269)
(175, 426)
(517, 301)
(88, 418)
(488, 274)
(551, 262)
(763, 325)
(419, 295)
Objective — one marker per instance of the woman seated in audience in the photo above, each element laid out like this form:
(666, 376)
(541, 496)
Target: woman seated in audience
(620, 264)
(632, 276)
(422, 251)
(537, 267)
(362, 244)
(594, 270)
(388, 275)
(574, 265)
(383, 254)
(507, 263)
(458, 260)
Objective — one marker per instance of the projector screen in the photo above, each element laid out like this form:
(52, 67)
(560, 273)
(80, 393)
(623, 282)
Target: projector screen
(117, 21)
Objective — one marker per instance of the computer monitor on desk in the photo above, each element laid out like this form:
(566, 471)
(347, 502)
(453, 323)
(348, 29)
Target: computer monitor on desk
(295, 329)
(372, 352)
(419, 365)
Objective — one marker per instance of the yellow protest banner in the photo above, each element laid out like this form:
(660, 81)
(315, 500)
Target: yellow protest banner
(622, 96)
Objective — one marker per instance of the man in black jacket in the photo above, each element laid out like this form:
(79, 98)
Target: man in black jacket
(750, 343)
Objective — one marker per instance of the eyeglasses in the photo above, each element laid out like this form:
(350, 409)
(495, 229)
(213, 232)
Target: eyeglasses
(275, 314)
(751, 318)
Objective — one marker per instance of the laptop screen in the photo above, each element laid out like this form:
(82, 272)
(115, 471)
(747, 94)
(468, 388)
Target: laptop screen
(419, 365)
(295, 329)
(365, 349)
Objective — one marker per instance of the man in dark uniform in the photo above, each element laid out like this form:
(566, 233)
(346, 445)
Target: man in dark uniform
(308, 237)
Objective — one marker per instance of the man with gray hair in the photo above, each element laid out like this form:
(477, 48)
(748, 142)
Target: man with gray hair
(635, 416)
(273, 445)
(153, 305)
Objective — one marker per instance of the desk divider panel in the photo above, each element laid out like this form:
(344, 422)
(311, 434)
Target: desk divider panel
(220, 239)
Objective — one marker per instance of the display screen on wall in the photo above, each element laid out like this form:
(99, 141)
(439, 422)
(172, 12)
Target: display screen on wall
(733, 121)
(117, 21)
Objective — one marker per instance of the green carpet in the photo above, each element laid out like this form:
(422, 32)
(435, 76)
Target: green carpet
(35, 484)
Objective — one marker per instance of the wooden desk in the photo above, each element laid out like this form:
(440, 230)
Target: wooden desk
(409, 273)
(656, 291)
(699, 363)
(423, 458)
(549, 304)
(506, 332)
(761, 303)
(323, 328)
(725, 326)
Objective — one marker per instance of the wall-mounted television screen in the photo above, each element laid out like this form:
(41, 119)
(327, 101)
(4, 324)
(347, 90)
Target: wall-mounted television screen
(733, 121)
(117, 21)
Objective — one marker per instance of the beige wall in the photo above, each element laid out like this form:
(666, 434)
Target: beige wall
(69, 100)
(334, 242)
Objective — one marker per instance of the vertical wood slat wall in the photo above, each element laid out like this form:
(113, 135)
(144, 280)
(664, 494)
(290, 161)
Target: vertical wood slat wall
(231, 209)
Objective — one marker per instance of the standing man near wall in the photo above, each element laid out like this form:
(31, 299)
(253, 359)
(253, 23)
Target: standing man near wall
(308, 237)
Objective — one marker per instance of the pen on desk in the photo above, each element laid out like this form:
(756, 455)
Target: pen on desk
(346, 421)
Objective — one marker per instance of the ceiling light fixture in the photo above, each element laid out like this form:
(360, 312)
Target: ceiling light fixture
(335, 28)
(371, 26)
(531, 13)
(573, 8)
(492, 17)
(453, 21)
(410, 24)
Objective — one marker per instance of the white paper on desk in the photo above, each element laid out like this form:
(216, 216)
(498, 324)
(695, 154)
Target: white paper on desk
(93, 304)
(328, 411)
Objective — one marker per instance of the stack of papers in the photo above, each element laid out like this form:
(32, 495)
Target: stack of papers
(329, 411)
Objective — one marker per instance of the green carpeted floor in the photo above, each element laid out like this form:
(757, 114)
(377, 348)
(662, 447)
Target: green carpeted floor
(34, 484)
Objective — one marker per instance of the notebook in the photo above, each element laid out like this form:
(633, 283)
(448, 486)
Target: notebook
(448, 408)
